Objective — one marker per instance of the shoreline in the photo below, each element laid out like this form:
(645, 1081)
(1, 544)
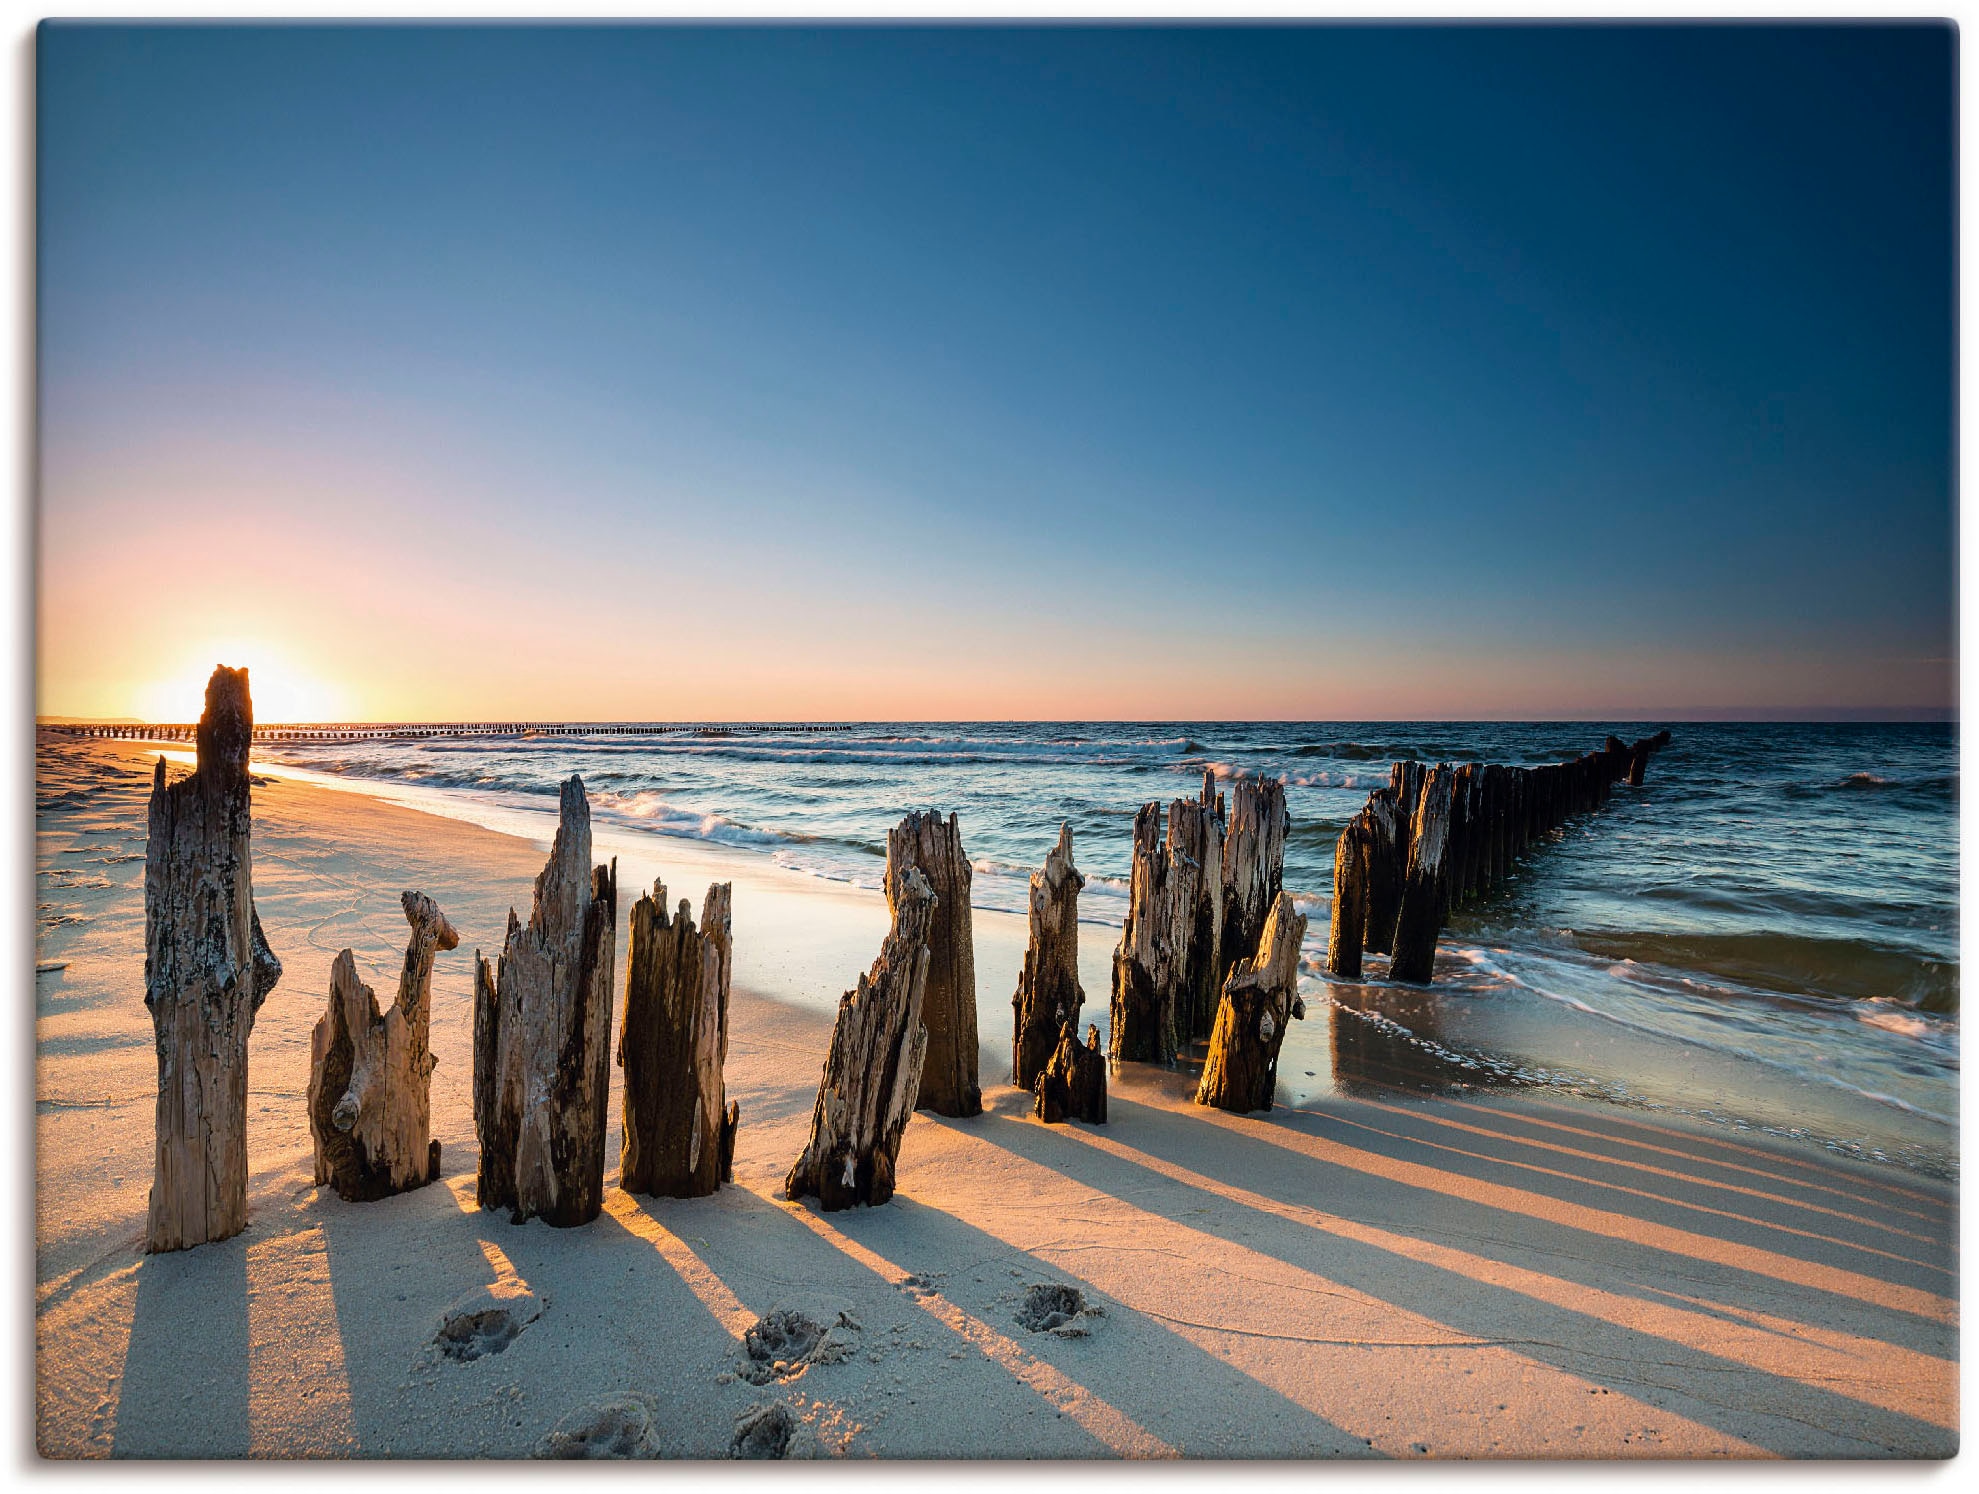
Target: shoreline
(1495, 1276)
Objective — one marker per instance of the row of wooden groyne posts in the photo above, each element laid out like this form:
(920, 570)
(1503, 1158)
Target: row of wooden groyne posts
(1207, 967)
(185, 731)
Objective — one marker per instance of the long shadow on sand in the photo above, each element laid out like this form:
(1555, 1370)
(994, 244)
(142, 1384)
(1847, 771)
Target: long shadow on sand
(1801, 1416)
(1131, 1364)
(184, 1391)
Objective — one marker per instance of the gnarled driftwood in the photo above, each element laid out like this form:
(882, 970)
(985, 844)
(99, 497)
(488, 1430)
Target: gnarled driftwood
(370, 1112)
(542, 1029)
(1073, 1084)
(1259, 998)
(873, 1071)
(207, 970)
(1048, 991)
(679, 1137)
(948, 1077)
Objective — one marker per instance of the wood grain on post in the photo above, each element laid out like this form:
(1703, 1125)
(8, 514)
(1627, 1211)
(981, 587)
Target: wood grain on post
(207, 969)
(1350, 888)
(1195, 915)
(1418, 924)
(542, 1028)
(679, 1125)
(1259, 1000)
(370, 1074)
(1048, 994)
(949, 1084)
(1253, 869)
(872, 1073)
(1387, 865)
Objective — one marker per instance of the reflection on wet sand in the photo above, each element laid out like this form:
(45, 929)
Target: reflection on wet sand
(1390, 1037)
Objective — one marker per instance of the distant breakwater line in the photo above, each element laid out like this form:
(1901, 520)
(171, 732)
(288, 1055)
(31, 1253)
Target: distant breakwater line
(185, 731)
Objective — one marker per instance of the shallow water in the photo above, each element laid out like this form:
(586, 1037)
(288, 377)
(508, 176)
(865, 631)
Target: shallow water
(1765, 934)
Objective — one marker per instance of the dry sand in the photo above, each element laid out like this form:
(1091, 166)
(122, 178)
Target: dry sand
(1361, 1278)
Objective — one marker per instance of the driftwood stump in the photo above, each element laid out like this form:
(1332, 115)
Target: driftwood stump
(1164, 970)
(873, 1071)
(1073, 1084)
(1423, 898)
(948, 1077)
(370, 1075)
(679, 1137)
(1260, 997)
(1350, 867)
(207, 970)
(542, 1030)
(1253, 868)
(1048, 991)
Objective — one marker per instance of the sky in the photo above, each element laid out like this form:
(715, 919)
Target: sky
(1058, 373)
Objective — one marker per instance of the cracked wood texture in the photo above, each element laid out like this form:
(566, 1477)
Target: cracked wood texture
(207, 970)
(1260, 998)
(1048, 991)
(542, 1028)
(872, 1073)
(1423, 897)
(370, 1074)
(1073, 1084)
(1164, 969)
(679, 1139)
(949, 1084)
(1253, 868)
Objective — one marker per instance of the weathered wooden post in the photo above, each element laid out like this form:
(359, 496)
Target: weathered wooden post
(1048, 991)
(1195, 890)
(542, 1030)
(948, 1077)
(1166, 960)
(1253, 869)
(207, 969)
(873, 1071)
(1350, 879)
(1387, 865)
(370, 1075)
(1073, 1084)
(1418, 924)
(1638, 762)
(679, 1125)
(1259, 999)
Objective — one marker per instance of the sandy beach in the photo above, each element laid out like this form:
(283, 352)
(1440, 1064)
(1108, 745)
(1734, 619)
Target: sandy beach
(1492, 1277)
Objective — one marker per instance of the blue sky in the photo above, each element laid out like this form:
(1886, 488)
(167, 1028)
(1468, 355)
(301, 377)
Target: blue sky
(1332, 371)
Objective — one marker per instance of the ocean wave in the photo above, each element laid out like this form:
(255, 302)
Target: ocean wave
(1744, 1052)
(1793, 964)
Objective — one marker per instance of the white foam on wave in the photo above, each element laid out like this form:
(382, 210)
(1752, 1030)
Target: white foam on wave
(1482, 960)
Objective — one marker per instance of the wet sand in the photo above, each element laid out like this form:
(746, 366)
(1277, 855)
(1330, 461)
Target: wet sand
(1361, 1277)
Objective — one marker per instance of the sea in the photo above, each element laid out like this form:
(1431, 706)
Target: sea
(1762, 937)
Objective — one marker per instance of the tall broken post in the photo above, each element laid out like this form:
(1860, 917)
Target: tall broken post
(679, 1125)
(873, 1071)
(1260, 999)
(370, 1074)
(1350, 871)
(1048, 994)
(948, 1076)
(207, 969)
(1423, 890)
(542, 1029)
(1253, 868)
(1164, 969)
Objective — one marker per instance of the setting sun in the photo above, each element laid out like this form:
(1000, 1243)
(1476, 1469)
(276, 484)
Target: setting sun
(283, 691)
